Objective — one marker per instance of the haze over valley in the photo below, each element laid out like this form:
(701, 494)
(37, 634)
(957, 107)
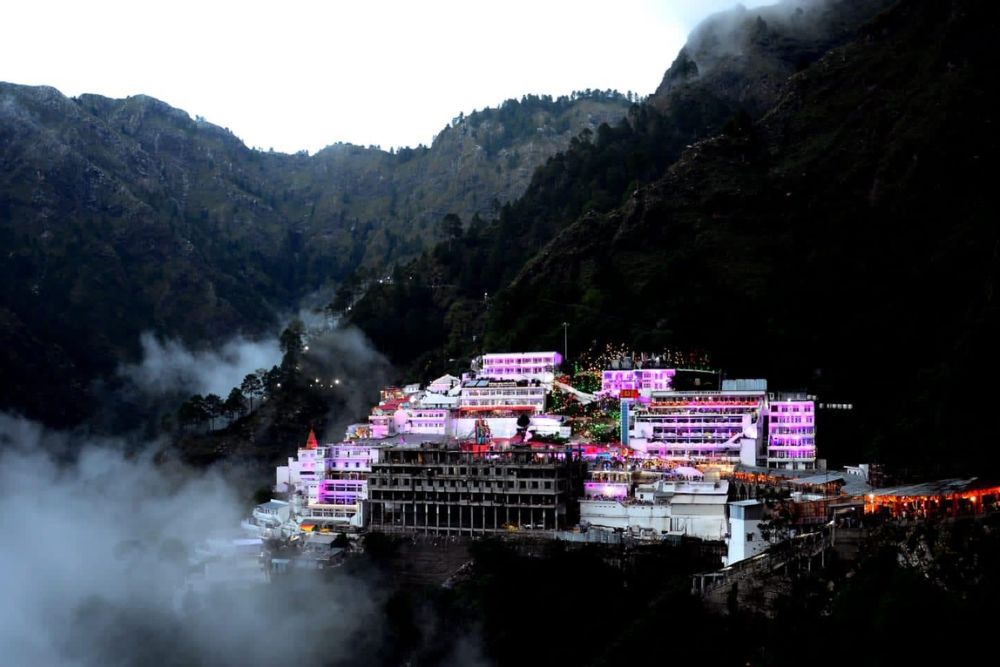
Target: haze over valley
(801, 197)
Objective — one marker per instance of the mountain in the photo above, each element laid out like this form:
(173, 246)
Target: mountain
(846, 242)
(122, 216)
(726, 75)
(837, 234)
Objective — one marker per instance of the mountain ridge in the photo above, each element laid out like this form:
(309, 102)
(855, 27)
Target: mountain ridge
(122, 216)
(812, 245)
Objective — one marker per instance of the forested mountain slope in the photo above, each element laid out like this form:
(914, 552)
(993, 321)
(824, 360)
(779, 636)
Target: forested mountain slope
(122, 216)
(847, 242)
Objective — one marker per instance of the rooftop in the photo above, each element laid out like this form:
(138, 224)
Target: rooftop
(942, 487)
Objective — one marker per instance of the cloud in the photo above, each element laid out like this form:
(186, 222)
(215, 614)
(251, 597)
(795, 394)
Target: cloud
(168, 367)
(727, 33)
(346, 355)
(95, 564)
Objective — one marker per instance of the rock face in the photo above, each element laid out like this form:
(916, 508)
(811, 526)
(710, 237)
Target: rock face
(120, 216)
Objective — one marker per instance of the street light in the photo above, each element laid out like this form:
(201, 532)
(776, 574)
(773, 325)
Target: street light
(565, 341)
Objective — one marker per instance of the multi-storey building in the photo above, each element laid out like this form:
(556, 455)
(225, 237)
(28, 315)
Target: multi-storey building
(382, 420)
(638, 379)
(428, 421)
(791, 433)
(716, 426)
(695, 508)
(514, 365)
(436, 489)
(329, 482)
(342, 483)
(501, 396)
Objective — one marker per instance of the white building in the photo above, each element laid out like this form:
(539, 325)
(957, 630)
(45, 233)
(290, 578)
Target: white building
(745, 538)
(273, 513)
(499, 396)
(695, 508)
(513, 365)
(329, 481)
(430, 421)
(443, 384)
(506, 427)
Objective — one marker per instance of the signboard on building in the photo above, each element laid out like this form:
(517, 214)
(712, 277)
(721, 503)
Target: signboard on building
(629, 393)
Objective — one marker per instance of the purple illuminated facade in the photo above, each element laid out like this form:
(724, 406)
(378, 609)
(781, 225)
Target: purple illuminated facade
(699, 426)
(648, 379)
(614, 490)
(339, 481)
(791, 435)
(512, 365)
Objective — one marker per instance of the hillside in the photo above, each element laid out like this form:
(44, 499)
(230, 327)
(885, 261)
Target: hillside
(437, 307)
(846, 242)
(834, 232)
(121, 216)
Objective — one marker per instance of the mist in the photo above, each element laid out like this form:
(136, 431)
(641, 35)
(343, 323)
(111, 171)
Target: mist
(96, 557)
(726, 34)
(344, 360)
(169, 367)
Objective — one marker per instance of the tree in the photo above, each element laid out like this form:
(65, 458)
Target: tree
(213, 409)
(451, 225)
(292, 344)
(252, 386)
(272, 380)
(192, 411)
(235, 405)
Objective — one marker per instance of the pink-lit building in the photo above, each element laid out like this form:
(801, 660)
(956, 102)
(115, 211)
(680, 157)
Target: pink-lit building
(706, 426)
(791, 434)
(638, 379)
(383, 419)
(331, 480)
(344, 485)
(426, 420)
(513, 365)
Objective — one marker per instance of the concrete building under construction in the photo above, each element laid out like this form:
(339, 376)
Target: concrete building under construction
(458, 491)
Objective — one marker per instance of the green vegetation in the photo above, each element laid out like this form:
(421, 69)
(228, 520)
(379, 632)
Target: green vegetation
(844, 242)
(124, 216)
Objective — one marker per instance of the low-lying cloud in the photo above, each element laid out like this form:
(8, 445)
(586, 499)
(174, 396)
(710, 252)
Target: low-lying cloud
(344, 359)
(169, 367)
(96, 559)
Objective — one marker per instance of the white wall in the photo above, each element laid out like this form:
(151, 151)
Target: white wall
(745, 538)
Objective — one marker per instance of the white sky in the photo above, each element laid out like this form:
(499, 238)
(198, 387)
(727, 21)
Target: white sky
(303, 74)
